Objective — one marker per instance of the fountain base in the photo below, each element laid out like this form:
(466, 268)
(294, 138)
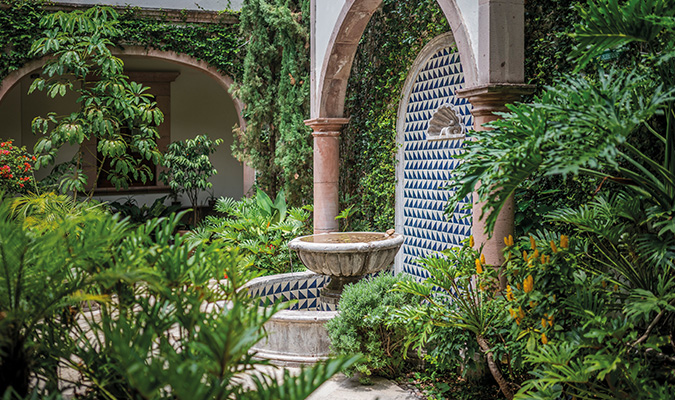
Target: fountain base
(295, 336)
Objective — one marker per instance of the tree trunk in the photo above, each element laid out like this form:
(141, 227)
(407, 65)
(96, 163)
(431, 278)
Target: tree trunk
(504, 386)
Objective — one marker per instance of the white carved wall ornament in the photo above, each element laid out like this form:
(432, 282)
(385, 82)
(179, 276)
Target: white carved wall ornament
(445, 124)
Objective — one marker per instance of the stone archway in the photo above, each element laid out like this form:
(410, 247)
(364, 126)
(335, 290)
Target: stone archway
(224, 81)
(350, 25)
(490, 37)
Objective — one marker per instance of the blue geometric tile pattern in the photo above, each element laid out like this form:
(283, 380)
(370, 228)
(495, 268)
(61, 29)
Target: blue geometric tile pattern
(305, 291)
(427, 164)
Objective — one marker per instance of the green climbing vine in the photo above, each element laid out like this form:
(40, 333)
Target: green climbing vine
(393, 38)
(548, 44)
(218, 43)
(275, 88)
(19, 26)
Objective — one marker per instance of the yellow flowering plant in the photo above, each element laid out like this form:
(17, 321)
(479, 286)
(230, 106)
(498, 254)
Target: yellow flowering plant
(540, 271)
(463, 292)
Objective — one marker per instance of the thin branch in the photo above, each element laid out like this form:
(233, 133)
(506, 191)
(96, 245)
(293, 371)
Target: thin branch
(649, 328)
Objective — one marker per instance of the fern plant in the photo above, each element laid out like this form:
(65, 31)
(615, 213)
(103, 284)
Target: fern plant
(163, 327)
(260, 228)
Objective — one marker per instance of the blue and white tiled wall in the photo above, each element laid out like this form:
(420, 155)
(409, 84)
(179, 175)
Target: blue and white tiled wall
(427, 164)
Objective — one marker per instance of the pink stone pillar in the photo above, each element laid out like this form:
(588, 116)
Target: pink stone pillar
(486, 100)
(326, 171)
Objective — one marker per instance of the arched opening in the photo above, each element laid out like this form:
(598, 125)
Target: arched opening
(426, 157)
(349, 28)
(193, 105)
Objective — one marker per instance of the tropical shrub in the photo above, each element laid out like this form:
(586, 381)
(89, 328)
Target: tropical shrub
(189, 168)
(138, 215)
(260, 228)
(582, 319)
(362, 327)
(462, 292)
(114, 112)
(596, 316)
(160, 330)
(16, 170)
(38, 289)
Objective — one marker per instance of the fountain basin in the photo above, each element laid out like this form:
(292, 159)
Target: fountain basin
(296, 336)
(345, 256)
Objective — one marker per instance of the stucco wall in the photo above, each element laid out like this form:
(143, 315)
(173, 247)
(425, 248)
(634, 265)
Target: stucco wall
(10, 126)
(211, 5)
(199, 106)
(327, 13)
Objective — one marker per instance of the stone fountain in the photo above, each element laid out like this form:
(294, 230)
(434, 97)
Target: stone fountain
(297, 336)
(346, 256)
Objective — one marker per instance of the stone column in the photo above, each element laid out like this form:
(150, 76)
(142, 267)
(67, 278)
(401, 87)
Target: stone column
(326, 171)
(486, 100)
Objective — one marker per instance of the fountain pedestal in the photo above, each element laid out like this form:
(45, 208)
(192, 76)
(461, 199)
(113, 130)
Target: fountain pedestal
(330, 294)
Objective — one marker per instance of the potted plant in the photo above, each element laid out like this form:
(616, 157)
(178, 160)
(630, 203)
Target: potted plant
(189, 168)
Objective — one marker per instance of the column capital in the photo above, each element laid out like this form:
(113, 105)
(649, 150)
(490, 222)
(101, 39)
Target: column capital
(327, 126)
(490, 98)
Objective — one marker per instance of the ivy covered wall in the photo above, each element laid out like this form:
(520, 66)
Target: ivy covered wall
(392, 40)
(217, 42)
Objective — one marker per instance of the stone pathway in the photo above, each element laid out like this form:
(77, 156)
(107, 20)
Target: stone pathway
(341, 387)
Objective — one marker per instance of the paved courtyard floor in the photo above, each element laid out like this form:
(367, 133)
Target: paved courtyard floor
(341, 387)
